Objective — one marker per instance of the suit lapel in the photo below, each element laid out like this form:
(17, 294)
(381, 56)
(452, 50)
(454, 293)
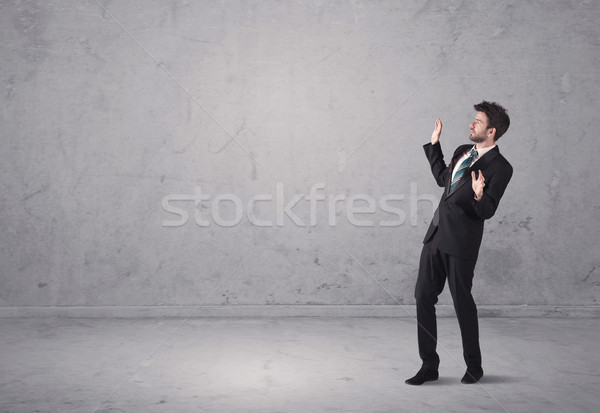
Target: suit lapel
(485, 160)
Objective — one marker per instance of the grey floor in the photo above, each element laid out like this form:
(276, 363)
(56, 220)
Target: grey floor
(291, 364)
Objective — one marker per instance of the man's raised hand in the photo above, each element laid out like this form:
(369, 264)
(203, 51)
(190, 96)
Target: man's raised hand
(435, 136)
(478, 184)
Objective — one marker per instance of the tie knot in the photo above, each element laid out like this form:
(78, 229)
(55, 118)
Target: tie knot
(474, 153)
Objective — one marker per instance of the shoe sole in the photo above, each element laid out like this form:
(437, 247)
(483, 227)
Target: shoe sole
(418, 384)
(470, 382)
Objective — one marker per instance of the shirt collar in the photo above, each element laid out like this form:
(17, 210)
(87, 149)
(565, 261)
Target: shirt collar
(481, 152)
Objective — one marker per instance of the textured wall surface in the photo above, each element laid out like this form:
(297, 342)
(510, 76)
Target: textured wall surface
(112, 108)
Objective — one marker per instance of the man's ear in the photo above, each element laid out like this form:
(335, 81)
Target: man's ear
(492, 133)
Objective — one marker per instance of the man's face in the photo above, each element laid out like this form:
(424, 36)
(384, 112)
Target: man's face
(479, 128)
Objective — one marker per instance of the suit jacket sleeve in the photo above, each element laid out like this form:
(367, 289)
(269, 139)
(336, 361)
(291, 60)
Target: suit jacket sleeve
(436, 161)
(493, 191)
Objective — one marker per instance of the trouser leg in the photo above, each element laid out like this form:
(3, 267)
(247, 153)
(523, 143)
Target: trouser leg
(430, 283)
(460, 281)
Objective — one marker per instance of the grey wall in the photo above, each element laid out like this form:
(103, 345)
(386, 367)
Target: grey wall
(107, 112)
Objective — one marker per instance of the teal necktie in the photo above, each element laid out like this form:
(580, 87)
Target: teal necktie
(462, 169)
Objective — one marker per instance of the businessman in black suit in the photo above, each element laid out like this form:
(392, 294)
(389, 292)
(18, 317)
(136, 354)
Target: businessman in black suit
(474, 183)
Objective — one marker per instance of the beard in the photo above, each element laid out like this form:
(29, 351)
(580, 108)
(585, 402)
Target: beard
(476, 139)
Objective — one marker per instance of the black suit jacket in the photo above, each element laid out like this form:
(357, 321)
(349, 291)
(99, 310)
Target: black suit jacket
(458, 220)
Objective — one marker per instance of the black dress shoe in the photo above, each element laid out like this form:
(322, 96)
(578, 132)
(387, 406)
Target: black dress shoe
(472, 376)
(422, 376)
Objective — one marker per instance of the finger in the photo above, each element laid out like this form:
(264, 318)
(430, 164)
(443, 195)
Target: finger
(481, 178)
(473, 175)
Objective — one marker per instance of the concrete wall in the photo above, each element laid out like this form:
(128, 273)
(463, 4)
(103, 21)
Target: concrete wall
(109, 108)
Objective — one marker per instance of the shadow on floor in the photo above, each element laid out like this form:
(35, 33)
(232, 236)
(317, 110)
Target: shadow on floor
(491, 379)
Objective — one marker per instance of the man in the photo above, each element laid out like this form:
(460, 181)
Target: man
(474, 183)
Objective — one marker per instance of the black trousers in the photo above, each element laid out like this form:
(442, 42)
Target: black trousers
(434, 268)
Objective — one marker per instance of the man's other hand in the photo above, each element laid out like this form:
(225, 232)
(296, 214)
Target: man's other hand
(478, 184)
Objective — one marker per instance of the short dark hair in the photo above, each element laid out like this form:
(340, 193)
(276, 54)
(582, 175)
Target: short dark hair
(497, 117)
